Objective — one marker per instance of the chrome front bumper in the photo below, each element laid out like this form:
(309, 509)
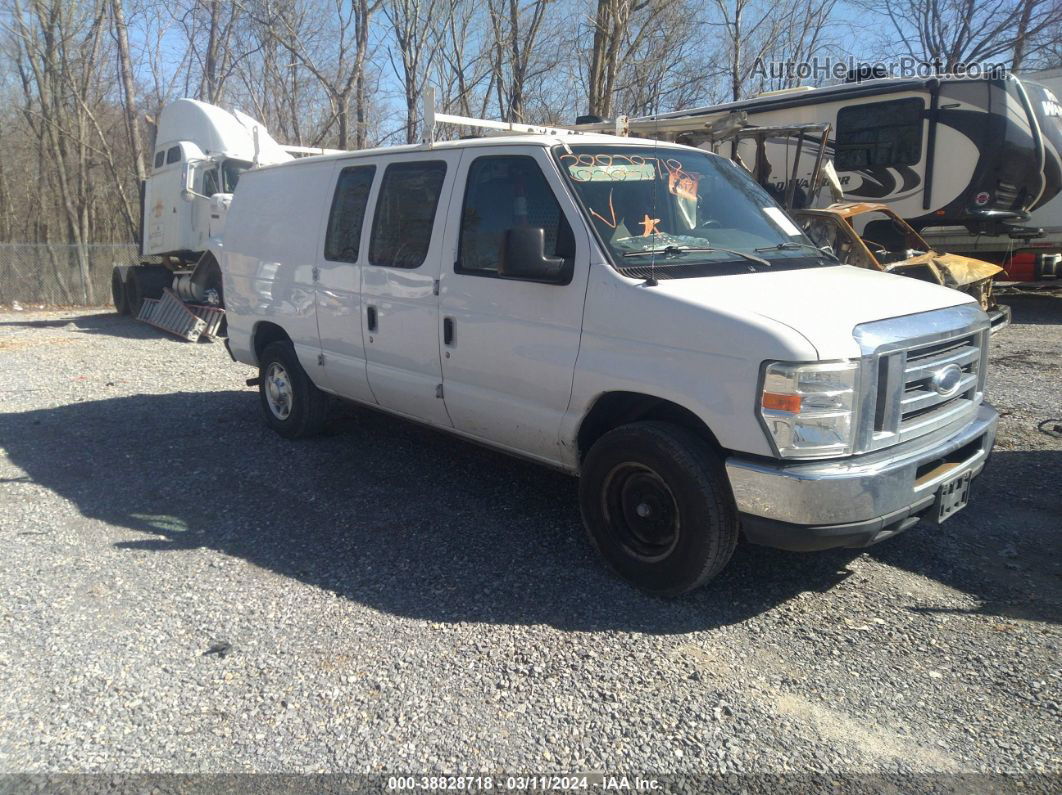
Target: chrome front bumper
(854, 501)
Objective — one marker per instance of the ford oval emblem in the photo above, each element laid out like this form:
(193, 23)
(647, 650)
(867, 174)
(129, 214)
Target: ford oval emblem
(945, 381)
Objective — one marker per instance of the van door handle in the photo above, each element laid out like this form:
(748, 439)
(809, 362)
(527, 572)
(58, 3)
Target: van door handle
(370, 313)
(448, 331)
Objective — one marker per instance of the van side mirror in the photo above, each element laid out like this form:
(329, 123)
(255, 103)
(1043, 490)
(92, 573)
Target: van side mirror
(188, 183)
(524, 257)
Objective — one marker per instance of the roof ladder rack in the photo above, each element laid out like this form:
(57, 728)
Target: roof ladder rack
(433, 118)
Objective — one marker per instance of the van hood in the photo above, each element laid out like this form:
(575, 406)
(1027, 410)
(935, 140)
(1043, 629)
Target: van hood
(822, 304)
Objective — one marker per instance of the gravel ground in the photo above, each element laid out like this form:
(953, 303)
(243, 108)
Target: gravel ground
(391, 599)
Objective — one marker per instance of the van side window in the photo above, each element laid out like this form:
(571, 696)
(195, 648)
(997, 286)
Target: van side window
(343, 238)
(405, 214)
(160, 157)
(879, 134)
(503, 192)
(173, 155)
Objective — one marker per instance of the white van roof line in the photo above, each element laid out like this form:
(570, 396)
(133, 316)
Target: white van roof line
(505, 134)
(544, 141)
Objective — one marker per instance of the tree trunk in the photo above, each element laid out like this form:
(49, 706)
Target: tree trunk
(1019, 39)
(125, 68)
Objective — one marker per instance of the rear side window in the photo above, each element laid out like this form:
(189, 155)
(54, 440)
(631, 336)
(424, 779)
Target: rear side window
(405, 214)
(160, 157)
(173, 155)
(883, 134)
(502, 193)
(343, 239)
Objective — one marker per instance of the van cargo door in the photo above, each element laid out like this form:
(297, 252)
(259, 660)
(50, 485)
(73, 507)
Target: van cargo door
(399, 303)
(338, 294)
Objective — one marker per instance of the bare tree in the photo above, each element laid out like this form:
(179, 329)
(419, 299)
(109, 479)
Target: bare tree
(807, 30)
(335, 54)
(620, 29)
(460, 67)
(58, 48)
(750, 30)
(412, 23)
(125, 69)
(954, 32)
(515, 59)
(211, 27)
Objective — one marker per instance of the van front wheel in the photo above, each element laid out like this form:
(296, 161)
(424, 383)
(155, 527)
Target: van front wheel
(291, 404)
(657, 506)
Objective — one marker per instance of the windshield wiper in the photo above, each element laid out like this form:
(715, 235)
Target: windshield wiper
(674, 251)
(794, 244)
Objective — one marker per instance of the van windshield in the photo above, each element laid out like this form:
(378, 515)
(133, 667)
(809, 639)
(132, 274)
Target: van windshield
(665, 207)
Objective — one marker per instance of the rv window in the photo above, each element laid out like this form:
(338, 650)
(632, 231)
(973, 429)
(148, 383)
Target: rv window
(405, 214)
(173, 155)
(883, 134)
(343, 238)
(160, 157)
(502, 193)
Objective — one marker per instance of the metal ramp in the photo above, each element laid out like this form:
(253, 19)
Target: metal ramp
(212, 315)
(170, 314)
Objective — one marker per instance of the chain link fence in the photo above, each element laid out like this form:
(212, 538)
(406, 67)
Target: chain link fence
(55, 274)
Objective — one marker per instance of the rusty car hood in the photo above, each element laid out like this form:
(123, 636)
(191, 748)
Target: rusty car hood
(958, 271)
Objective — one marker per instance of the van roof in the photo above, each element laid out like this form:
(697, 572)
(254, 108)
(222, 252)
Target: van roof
(544, 141)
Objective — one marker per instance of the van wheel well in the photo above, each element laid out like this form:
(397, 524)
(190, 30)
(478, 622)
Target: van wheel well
(266, 334)
(614, 409)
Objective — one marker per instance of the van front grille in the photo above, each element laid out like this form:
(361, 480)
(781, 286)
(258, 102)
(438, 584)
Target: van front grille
(921, 383)
(923, 406)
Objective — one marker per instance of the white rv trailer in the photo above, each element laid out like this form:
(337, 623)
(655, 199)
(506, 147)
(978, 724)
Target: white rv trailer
(977, 153)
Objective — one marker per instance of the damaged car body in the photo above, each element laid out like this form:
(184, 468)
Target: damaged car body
(871, 235)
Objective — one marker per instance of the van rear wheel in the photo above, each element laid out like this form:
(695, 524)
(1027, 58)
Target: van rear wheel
(657, 506)
(291, 404)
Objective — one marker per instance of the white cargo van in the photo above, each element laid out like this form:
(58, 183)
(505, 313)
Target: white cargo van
(636, 313)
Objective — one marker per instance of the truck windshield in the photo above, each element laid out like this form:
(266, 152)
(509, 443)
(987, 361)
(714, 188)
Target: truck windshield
(673, 207)
(230, 173)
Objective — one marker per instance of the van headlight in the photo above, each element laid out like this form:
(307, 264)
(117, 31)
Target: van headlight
(809, 409)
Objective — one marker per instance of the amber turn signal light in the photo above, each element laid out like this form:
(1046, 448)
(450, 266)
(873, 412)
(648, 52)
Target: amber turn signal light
(776, 402)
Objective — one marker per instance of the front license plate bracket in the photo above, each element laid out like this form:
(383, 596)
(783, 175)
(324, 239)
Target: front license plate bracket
(953, 496)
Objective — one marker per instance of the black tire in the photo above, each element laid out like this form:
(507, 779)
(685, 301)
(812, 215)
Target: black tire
(657, 506)
(306, 405)
(118, 295)
(145, 281)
